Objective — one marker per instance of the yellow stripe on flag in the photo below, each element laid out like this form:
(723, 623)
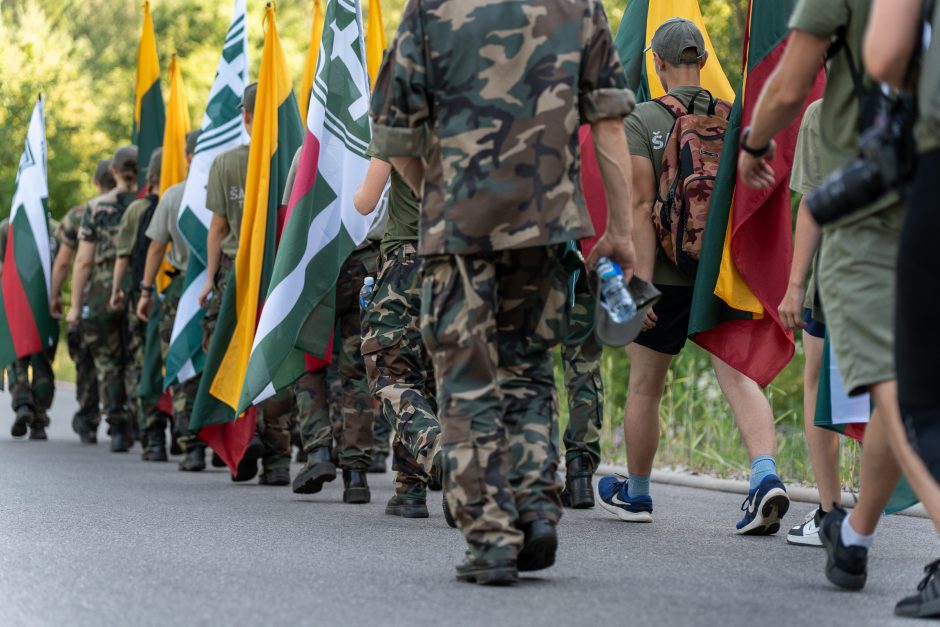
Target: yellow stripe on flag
(375, 40)
(310, 66)
(713, 77)
(730, 286)
(274, 88)
(148, 63)
(173, 165)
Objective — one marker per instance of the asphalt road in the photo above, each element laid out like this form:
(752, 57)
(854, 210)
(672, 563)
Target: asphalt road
(88, 537)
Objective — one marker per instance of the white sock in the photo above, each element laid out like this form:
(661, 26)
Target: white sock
(850, 537)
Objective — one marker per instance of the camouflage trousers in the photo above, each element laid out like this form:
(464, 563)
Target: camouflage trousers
(356, 406)
(86, 383)
(184, 394)
(135, 333)
(32, 384)
(488, 321)
(400, 373)
(105, 339)
(581, 361)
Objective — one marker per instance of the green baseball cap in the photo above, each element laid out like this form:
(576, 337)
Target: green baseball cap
(248, 98)
(675, 36)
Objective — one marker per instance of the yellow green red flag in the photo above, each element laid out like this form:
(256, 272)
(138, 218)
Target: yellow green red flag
(174, 167)
(149, 115)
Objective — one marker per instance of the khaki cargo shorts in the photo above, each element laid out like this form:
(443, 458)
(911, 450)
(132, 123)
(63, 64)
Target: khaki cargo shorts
(857, 277)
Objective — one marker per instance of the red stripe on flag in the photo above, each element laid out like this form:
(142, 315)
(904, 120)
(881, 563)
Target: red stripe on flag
(593, 188)
(23, 329)
(306, 172)
(762, 249)
(230, 439)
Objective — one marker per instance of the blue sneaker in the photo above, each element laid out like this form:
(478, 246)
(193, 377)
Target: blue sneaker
(763, 508)
(612, 493)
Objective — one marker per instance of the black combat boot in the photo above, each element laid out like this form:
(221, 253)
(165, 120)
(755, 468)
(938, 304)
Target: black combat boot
(406, 508)
(37, 429)
(539, 546)
(175, 448)
(355, 486)
(217, 461)
(156, 446)
(318, 470)
(119, 442)
(275, 477)
(86, 432)
(24, 418)
(194, 459)
(248, 467)
(378, 465)
(579, 487)
(488, 572)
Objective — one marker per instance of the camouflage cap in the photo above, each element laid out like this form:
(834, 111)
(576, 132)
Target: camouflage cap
(191, 141)
(104, 166)
(248, 98)
(125, 156)
(675, 36)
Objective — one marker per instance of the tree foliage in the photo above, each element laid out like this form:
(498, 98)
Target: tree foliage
(82, 55)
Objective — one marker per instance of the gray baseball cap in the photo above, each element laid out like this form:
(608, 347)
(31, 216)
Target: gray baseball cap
(248, 98)
(675, 36)
(613, 333)
(191, 140)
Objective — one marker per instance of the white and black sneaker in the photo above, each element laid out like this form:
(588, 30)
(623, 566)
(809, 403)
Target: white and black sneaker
(807, 532)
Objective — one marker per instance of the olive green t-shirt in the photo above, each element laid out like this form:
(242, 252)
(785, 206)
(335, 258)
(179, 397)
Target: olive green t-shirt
(126, 235)
(67, 232)
(225, 193)
(163, 227)
(403, 211)
(648, 129)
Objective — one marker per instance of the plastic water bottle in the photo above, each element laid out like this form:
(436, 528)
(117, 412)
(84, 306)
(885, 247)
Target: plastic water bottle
(365, 294)
(615, 297)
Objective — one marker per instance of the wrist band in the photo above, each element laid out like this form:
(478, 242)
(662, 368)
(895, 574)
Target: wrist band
(754, 152)
(146, 289)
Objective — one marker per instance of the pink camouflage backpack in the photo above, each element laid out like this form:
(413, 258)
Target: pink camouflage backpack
(687, 179)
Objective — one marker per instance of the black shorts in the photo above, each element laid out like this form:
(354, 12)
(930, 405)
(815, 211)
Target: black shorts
(672, 330)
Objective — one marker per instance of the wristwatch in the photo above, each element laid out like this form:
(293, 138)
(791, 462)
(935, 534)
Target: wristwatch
(146, 289)
(754, 152)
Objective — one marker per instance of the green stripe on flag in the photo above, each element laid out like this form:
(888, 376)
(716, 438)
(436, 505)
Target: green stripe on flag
(149, 136)
(631, 41)
(31, 275)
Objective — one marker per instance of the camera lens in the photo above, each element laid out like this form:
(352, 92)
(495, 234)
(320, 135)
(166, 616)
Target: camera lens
(850, 188)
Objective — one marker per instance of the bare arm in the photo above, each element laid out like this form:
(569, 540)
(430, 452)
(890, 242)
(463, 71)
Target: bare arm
(893, 31)
(614, 163)
(805, 243)
(155, 254)
(121, 265)
(780, 102)
(370, 192)
(644, 234)
(81, 271)
(412, 170)
(218, 229)
(60, 269)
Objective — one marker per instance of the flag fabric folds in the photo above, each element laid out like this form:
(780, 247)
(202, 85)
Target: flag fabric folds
(149, 115)
(375, 40)
(310, 65)
(222, 129)
(276, 136)
(322, 226)
(26, 325)
(747, 246)
(640, 21)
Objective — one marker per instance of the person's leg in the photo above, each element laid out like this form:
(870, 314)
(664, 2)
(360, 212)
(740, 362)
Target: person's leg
(43, 384)
(105, 340)
(23, 404)
(751, 409)
(648, 370)
(823, 444)
(458, 325)
(86, 381)
(316, 433)
(274, 426)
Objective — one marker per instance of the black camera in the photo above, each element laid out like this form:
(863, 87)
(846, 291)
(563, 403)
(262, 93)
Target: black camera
(885, 163)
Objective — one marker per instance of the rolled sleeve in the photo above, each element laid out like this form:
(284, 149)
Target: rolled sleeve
(159, 227)
(400, 101)
(819, 18)
(603, 91)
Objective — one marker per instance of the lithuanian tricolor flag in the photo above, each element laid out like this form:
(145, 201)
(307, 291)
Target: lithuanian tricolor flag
(276, 135)
(375, 40)
(26, 326)
(747, 245)
(149, 116)
(640, 21)
(310, 65)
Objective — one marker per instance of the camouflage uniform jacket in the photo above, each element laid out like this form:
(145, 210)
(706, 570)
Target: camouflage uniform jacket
(100, 223)
(67, 233)
(491, 96)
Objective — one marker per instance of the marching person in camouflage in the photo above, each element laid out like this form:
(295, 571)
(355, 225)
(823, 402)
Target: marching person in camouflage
(357, 405)
(32, 382)
(488, 138)
(225, 198)
(161, 231)
(581, 362)
(86, 382)
(92, 277)
(131, 246)
(400, 373)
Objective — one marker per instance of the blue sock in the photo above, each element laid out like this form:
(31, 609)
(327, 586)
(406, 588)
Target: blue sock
(639, 485)
(762, 467)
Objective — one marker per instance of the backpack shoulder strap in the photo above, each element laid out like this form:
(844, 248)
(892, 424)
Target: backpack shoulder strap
(673, 105)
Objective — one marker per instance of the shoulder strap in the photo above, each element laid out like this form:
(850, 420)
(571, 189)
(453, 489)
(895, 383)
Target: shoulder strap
(673, 105)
